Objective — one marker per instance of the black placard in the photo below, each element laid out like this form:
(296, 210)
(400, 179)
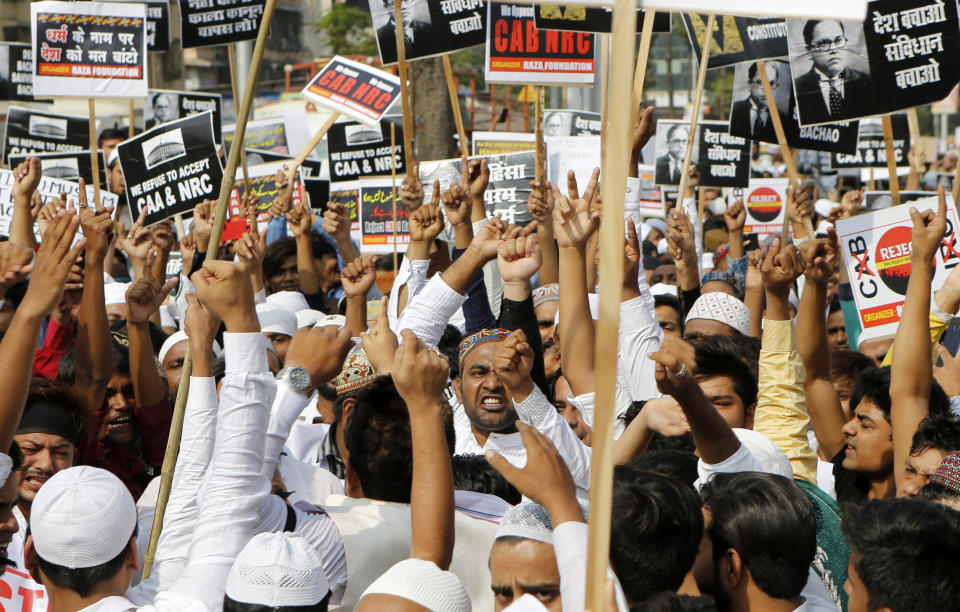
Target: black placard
(158, 25)
(217, 22)
(171, 168)
(66, 166)
(318, 193)
(737, 39)
(355, 150)
(724, 159)
(749, 100)
(558, 122)
(871, 148)
(429, 28)
(163, 105)
(903, 55)
(32, 131)
(310, 167)
(263, 134)
(16, 73)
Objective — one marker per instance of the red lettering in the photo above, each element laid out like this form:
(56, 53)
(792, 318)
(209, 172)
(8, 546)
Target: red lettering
(29, 595)
(325, 78)
(347, 86)
(5, 591)
(552, 42)
(382, 101)
(583, 43)
(533, 39)
(567, 46)
(371, 96)
(361, 90)
(516, 37)
(500, 35)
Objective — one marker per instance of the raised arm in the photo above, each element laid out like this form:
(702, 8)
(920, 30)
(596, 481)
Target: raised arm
(575, 223)
(26, 177)
(357, 278)
(300, 220)
(912, 369)
(540, 205)
(519, 259)
(94, 353)
(426, 223)
(420, 376)
(781, 412)
(336, 223)
(144, 297)
(826, 413)
(676, 361)
(53, 263)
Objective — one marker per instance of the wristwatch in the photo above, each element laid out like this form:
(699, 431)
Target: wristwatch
(298, 378)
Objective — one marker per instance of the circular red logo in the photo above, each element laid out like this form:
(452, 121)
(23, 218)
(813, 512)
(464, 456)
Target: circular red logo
(892, 257)
(764, 204)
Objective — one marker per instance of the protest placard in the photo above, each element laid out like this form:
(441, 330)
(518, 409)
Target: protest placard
(578, 153)
(671, 141)
(48, 188)
(272, 134)
(66, 166)
(871, 149)
(509, 188)
(651, 198)
(163, 105)
(376, 218)
(447, 171)
(354, 89)
(429, 28)
(517, 52)
(263, 185)
(355, 150)
(16, 72)
(561, 122)
(499, 143)
(348, 194)
(158, 24)
(750, 118)
(309, 167)
(724, 159)
(89, 49)
(765, 203)
(217, 22)
(32, 131)
(578, 18)
(171, 168)
(876, 250)
(901, 56)
(737, 39)
(878, 200)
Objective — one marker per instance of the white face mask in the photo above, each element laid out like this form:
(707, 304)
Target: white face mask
(662, 246)
(718, 206)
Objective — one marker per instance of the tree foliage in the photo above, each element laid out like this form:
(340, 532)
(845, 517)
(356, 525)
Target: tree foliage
(348, 30)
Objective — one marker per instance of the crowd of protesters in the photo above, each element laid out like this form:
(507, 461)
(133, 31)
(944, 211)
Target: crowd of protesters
(434, 451)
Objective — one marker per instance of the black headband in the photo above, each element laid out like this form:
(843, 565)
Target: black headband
(48, 418)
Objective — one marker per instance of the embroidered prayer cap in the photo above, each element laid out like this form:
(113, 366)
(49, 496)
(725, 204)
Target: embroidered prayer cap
(276, 320)
(546, 293)
(721, 307)
(424, 583)
(277, 569)
(357, 372)
(82, 517)
(291, 301)
(529, 521)
(719, 275)
(948, 474)
(481, 337)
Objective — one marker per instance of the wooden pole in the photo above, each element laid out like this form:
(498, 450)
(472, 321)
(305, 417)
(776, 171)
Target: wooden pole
(643, 52)
(697, 96)
(455, 105)
(604, 40)
(613, 188)
(233, 159)
(792, 175)
(404, 90)
(132, 115)
(872, 184)
(94, 155)
(913, 123)
(538, 132)
(233, 88)
(307, 150)
(891, 160)
(393, 198)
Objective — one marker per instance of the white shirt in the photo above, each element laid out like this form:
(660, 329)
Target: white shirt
(427, 313)
(18, 590)
(825, 82)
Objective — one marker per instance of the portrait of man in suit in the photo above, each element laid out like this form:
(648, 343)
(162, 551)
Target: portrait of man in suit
(668, 167)
(415, 16)
(752, 112)
(829, 91)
